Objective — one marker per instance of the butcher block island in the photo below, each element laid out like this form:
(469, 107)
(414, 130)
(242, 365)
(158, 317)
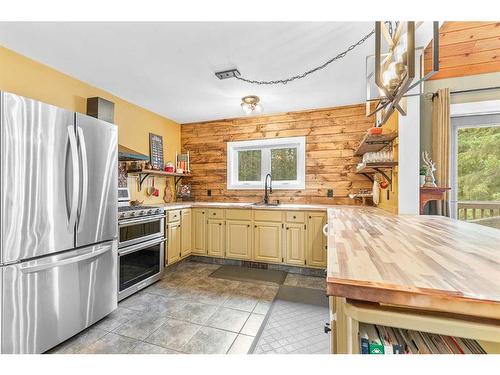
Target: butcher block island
(429, 274)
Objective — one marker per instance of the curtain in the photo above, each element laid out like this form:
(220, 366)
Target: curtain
(441, 126)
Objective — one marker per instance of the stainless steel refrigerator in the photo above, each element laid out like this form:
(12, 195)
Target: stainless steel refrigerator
(58, 223)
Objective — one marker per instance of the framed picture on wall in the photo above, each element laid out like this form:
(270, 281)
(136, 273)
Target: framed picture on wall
(156, 150)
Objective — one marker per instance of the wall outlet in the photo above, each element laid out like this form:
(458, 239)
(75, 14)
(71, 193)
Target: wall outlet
(329, 193)
(209, 192)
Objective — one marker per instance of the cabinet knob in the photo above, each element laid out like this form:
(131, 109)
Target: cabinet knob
(213, 214)
(248, 225)
(220, 224)
(327, 328)
(310, 217)
(255, 226)
(294, 216)
(286, 228)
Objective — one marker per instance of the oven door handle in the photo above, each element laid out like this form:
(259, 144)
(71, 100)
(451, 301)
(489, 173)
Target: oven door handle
(142, 245)
(124, 223)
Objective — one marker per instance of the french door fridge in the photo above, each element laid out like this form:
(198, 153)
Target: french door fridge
(58, 223)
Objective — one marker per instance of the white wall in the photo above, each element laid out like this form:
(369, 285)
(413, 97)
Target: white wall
(409, 157)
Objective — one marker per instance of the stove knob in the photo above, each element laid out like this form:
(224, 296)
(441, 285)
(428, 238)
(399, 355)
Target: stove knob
(132, 214)
(150, 212)
(140, 213)
(122, 216)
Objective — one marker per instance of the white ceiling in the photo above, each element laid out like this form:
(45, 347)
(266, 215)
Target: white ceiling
(169, 67)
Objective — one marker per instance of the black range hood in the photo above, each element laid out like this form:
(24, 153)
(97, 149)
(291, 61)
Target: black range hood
(126, 154)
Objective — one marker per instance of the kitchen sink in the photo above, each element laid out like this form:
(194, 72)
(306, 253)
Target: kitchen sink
(261, 204)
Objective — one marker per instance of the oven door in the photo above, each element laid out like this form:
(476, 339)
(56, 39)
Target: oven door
(139, 266)
(133, 231)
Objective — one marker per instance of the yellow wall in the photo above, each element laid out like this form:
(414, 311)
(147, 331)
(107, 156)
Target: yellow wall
(391, 204)
(26, 77)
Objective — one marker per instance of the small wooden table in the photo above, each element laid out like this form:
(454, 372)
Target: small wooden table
(431, 194)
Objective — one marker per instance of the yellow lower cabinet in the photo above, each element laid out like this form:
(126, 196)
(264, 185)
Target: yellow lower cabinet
(267, 241)
(186, 232)
(316, 240)
(215, 237)
(295, 244)
(239, 239)
(173, 242)
(199, 230)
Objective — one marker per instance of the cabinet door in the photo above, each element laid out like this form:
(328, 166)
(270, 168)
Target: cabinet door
(215, 237)
(173, 243)
(295, 252)
(186, 235)
(199, 223)
(267, 242)
(239, 239)
(316, 240)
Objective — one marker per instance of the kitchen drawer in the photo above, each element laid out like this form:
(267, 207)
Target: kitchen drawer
(239, 214)
(174, 215)
(215, 213)
(268, 215)
(295, 217)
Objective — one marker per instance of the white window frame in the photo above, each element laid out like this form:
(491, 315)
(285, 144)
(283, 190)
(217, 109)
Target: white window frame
(463, 110)
(266, 145)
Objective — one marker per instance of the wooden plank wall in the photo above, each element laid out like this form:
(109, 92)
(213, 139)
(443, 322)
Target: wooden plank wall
(331, 136)
(467, 48)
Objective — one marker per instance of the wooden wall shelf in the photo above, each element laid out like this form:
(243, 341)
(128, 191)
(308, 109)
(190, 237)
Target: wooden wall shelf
(368, 168)
(373, 143)
(142, 175)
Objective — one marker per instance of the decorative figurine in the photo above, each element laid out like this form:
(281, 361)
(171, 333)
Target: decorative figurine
(430, 181)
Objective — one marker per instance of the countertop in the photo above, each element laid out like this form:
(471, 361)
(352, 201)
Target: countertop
(424, 262)
(248, 206)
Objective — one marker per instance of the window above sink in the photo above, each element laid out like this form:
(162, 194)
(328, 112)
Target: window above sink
(248, 162)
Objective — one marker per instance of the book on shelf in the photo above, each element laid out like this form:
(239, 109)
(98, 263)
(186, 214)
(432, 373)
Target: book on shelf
(375, 345)
(377, 339)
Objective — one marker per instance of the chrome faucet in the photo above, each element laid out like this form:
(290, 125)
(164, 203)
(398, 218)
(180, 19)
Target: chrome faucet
(266, 194)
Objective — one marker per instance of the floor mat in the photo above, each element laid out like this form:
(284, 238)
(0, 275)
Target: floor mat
(249, 274)
(294, 324)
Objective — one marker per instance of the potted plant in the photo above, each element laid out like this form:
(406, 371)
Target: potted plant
(423, 172)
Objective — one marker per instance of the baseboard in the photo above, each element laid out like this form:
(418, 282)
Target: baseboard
(317, 272)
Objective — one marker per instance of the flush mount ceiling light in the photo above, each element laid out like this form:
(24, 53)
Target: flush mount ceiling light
(251, 104)
(397, 66)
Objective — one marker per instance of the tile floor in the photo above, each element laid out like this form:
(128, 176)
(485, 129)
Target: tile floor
(185, 312)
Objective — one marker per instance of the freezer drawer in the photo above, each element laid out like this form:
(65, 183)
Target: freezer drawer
(48, 300)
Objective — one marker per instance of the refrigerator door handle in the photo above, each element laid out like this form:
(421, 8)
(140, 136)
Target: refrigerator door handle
(85, 174)
(76, 177)
(64, 262)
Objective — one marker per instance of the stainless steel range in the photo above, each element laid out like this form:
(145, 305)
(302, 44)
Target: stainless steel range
(141, 245)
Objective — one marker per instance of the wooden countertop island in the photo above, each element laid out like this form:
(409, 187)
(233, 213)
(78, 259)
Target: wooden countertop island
(431, 263)
(433, 276)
